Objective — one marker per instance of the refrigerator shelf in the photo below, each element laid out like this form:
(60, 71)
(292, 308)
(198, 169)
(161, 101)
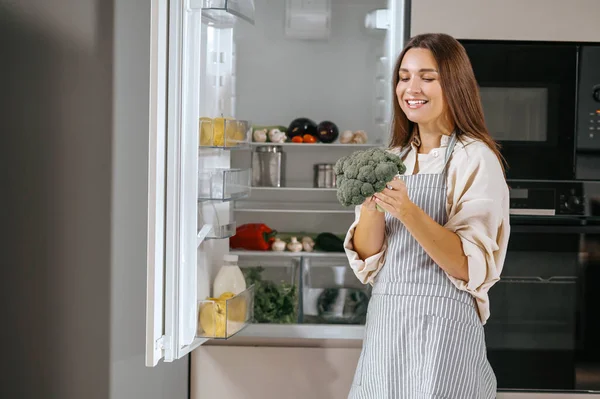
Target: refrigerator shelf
(230, 134)
(223, 318)
(223, 184)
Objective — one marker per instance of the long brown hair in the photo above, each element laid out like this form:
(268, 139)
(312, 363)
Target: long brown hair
(459, 88)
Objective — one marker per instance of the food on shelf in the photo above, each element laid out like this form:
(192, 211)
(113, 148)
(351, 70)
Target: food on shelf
(278, 245)
(329, 242)
(356, 137)
(229, 278)
(277, 136)
(300, 127)
(219, 313)
(327, 132)
(259, 136)
(294, 245)
(206, 131)
(269, 134)
(297, 139)
(253, 237)
(221, 132)
(359, 137)
(342, 306)
(364, 173)
(307, 138)
(308, 244)
(273, 302)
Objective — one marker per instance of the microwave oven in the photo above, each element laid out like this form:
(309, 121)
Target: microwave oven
(541, 102)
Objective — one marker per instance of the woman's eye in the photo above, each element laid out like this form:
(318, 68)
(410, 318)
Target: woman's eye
(404, 79)
(428, 79)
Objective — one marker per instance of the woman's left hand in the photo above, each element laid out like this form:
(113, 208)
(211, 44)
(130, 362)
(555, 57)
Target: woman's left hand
(394, 199)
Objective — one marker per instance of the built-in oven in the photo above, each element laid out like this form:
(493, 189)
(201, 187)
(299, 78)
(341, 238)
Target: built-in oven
(544, 329)
(541, 103)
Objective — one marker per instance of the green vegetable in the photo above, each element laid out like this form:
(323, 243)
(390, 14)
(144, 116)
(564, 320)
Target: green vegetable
(329, 242)
(364, 173)
(273, 303)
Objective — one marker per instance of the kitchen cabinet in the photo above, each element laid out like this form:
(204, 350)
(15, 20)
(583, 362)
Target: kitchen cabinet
(545, 20)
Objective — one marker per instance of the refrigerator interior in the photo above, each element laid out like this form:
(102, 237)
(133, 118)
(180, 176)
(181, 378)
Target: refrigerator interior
(270, 73)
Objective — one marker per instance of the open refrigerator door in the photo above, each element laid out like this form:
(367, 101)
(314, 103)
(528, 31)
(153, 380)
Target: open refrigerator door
(191, 184)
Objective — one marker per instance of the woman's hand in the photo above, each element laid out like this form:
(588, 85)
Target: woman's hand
(369, 204)
(394, 199)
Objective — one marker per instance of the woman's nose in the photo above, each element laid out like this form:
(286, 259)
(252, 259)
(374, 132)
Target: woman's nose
(413, 86)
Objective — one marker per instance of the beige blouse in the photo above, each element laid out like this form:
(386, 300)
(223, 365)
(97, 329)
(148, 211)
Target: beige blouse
(478, 212)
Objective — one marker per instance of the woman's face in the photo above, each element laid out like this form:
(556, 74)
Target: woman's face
(419, 90)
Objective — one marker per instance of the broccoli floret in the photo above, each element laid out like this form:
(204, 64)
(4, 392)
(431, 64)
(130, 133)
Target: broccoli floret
(365, 173)
(386, 171)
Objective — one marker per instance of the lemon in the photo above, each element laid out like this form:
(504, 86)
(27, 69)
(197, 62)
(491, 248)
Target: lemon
(212, 319)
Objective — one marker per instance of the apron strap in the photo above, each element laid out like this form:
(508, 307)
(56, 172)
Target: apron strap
(449, 150)
(404, 151)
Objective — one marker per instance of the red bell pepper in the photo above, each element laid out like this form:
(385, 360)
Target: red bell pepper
(253, 237)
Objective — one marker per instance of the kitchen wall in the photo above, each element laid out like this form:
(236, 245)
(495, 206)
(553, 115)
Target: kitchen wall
(552, 20)
(74, 145)
(280, 79)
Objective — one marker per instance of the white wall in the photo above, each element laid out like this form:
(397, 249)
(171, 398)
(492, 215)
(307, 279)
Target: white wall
(281, 79)
(552, 20)
(73, 196)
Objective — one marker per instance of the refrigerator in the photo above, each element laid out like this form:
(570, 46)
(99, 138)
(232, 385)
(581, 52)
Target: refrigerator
(195, 135)
(102, 101)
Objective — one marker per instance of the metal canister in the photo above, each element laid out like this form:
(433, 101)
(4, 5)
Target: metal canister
(268, 166)
(324, 175)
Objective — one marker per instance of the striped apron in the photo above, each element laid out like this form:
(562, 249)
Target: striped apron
(423, 336)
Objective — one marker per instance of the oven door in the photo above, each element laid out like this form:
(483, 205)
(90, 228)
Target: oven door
(544, 330)
(528, 92)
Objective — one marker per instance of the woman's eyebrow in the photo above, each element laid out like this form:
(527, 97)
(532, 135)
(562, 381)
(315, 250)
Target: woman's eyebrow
(420, 70)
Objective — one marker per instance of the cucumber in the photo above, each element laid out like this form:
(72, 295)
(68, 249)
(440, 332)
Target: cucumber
(329, 242)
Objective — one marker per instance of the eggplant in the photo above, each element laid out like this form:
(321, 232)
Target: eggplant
(300, 127)
(327, 132)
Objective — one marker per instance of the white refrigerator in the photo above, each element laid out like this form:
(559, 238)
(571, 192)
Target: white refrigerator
(192, 186)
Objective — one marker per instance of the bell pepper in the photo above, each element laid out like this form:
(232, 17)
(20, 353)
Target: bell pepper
(253, 237)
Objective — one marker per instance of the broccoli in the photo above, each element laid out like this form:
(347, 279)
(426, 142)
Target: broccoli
(365, 173)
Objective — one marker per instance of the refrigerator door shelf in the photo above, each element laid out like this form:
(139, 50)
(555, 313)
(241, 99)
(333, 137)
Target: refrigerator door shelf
(229, 134)
(223, 184)
(223, 13)
(220, 318)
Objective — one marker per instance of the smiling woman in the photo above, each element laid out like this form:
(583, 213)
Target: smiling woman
(441, 244)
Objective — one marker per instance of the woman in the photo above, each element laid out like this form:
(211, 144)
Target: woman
(440, 245)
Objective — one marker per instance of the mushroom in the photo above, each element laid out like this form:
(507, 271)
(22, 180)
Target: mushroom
(346, 137)
(359, 137)
(277, 136)
(260, 135)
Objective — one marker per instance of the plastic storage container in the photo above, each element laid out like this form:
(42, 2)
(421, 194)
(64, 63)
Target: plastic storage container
(224, 133)
(223, 184)
(276, 289)
(225, 317)
(331, 294)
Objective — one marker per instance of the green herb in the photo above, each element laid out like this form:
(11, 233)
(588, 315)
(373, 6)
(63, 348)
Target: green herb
(273, 303)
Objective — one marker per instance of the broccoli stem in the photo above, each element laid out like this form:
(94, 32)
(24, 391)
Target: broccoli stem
(380, 209)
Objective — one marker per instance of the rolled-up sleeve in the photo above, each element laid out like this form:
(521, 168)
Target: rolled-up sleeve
(367, 269)
(479, 215)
